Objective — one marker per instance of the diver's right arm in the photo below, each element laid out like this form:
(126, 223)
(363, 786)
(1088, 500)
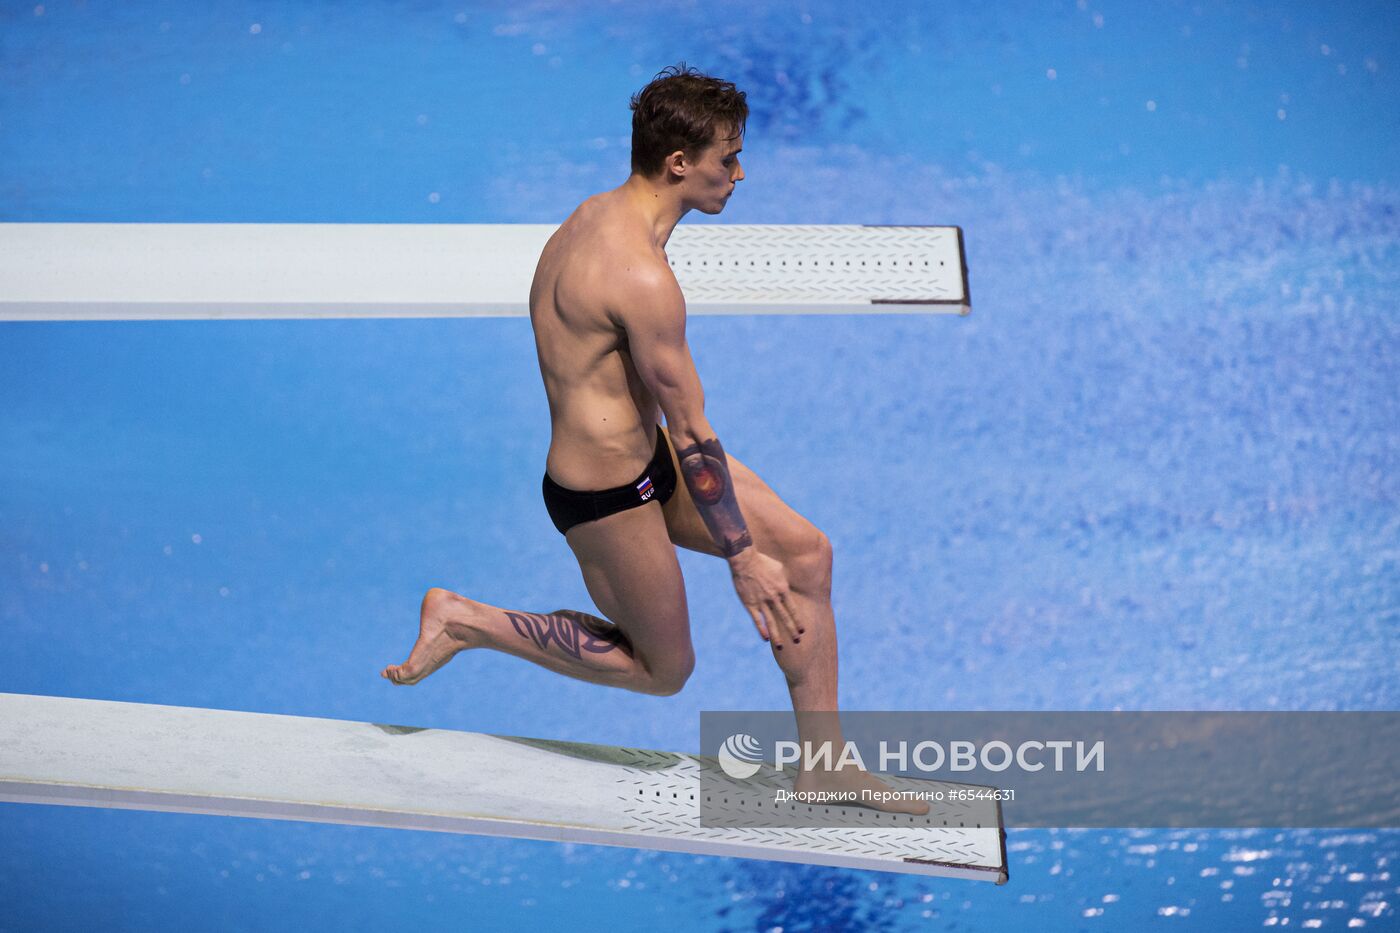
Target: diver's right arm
(651, 309)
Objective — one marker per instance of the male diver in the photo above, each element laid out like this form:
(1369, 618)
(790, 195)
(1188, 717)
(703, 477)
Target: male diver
(609, 322)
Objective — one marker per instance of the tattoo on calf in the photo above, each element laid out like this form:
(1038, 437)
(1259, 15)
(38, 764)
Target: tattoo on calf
(711, 489)
(574, 632)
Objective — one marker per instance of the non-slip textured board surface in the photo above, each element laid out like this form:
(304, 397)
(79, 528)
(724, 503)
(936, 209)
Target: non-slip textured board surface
(60, 750)
(85, 271)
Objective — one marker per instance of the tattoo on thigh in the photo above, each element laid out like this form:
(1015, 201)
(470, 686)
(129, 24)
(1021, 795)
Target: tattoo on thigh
(574, 632)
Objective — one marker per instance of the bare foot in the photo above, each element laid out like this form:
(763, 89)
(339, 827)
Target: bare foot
(444, 628)
(853, 780)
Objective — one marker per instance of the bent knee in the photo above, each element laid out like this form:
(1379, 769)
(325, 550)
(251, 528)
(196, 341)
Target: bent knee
(809, 569)
(668, 679)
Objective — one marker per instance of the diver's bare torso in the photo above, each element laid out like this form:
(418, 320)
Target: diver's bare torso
(603, 418)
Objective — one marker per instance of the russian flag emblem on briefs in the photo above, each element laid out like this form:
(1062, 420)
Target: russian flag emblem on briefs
(644, 488)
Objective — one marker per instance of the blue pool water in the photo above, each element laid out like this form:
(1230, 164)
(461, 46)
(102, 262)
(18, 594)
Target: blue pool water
(1157, 467)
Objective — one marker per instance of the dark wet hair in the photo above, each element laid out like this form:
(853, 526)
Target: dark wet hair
(681, 109)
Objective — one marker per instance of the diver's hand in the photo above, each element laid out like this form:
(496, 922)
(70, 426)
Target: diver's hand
(762, 585)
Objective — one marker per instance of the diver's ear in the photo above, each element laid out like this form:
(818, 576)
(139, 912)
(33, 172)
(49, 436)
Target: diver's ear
(677, 164)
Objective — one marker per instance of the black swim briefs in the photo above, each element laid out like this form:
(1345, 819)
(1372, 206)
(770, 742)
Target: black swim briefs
(570, 507)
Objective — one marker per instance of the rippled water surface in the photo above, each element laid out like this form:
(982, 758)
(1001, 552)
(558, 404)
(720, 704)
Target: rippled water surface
(1156, 468)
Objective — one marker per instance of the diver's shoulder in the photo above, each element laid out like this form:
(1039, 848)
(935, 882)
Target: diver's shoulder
(621, 240)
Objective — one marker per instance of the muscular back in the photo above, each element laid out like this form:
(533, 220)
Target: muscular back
(603, 417)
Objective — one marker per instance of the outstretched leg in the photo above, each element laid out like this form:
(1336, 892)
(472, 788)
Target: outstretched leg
(629, 566)
(567, 641)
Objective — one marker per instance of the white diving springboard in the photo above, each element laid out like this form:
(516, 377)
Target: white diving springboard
(156, 271)
(138, 756)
